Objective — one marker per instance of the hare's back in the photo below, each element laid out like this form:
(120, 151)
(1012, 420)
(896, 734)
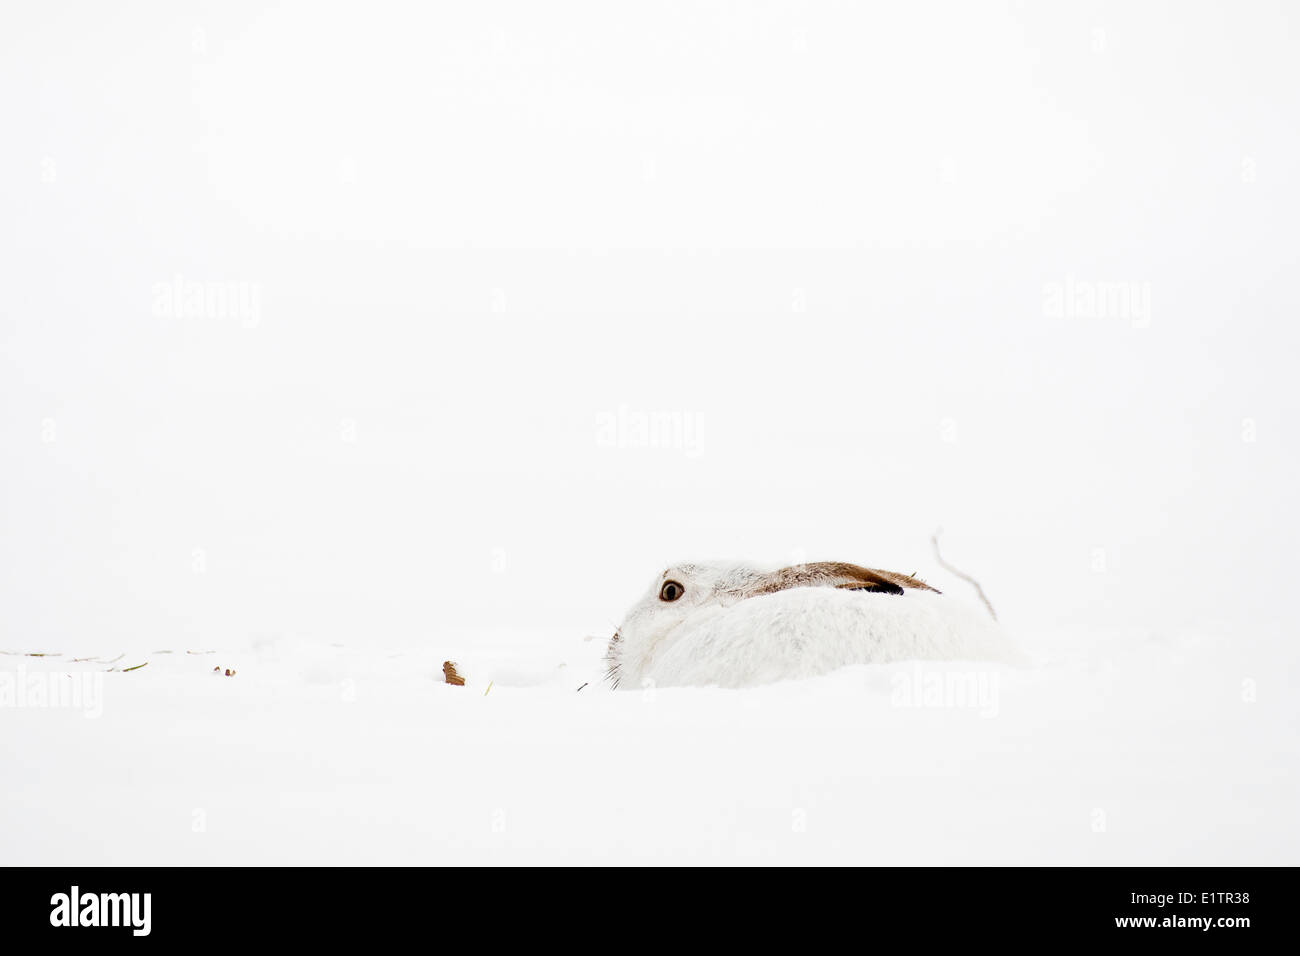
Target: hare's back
(802, 632)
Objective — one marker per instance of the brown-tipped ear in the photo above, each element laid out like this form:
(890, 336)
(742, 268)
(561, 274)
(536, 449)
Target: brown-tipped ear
(835, 574)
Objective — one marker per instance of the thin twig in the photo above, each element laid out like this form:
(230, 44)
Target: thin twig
(934, 539)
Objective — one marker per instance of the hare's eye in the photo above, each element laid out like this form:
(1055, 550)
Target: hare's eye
(671, 591)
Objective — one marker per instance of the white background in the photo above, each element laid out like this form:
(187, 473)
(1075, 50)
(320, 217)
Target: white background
(822, 237)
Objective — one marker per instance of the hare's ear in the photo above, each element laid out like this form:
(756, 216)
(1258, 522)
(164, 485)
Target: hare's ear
(834, 574)
(880, 587)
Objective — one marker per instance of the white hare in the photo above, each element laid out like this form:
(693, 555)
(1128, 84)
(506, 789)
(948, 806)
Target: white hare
(737, 626)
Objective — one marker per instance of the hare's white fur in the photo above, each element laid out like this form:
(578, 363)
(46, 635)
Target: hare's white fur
(728, 630)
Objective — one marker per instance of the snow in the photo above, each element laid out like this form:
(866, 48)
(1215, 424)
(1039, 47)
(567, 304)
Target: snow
(1111, 748)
